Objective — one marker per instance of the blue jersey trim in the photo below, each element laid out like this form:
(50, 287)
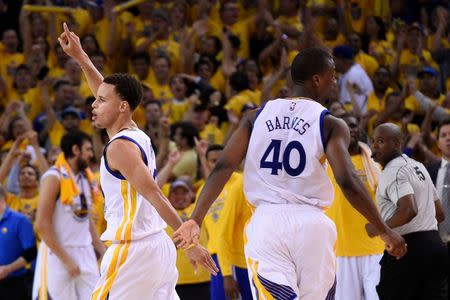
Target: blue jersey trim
(322, 128)
(259, 111)
(117, 173)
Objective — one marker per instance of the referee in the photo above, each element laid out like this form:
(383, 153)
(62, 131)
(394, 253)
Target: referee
(409, 204)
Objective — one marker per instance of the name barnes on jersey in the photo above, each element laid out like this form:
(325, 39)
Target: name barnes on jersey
(295, 123)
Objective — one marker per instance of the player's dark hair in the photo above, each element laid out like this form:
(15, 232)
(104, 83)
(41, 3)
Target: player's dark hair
(71, 139)
(213, 147)
(309, 62)
(128, 88)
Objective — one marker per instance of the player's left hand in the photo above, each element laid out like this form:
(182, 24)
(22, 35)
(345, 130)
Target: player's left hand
(199, 255)
(187, 234)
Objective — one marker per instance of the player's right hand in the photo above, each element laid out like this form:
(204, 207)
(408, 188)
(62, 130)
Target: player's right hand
(187, 234)
(70, 43)
(395, 244)
(73, 268)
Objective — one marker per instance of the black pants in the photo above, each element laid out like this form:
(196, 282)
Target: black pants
(199, 291)
(420, 275)
(17, 288)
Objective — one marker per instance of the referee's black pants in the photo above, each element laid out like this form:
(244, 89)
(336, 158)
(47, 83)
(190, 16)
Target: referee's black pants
(420, 275)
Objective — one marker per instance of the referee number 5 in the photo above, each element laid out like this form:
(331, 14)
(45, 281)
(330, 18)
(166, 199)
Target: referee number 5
(275, 164)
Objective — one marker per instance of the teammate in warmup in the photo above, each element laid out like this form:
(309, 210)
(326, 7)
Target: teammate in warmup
(141, 261)
(289, 240)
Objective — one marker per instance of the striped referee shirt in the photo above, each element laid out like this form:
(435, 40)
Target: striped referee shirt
(404, 176)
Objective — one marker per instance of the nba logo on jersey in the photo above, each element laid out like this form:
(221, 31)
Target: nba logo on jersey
(292, 106)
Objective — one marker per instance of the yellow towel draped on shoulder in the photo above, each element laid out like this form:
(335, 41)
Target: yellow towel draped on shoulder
(68, 186)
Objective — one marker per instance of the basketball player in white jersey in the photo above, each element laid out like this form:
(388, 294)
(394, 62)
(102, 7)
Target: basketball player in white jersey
(289, 248)
(67, 265)
(140, 264)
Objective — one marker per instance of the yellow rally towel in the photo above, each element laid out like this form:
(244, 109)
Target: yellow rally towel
(68, 186)
(373, 170)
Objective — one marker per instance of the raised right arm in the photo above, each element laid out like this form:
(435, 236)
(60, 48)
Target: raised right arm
(71, 45)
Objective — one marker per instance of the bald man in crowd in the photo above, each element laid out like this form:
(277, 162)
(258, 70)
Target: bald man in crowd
(409, 204)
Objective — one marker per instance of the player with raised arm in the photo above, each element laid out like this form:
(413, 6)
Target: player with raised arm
(140, 263)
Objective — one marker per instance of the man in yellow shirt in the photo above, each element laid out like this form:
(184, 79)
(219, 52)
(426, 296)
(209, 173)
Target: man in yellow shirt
(369, 63)
(140, 65)
(358, 255)
(236, 213)
(376, 102)
(192, 284)
(11, 58)
(212, 224)
(160, 84)
(428, 86)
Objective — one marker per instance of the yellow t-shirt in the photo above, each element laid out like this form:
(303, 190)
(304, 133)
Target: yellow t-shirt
(377, 104)
(26, 206)
(412, 104)
(218, 81)
(186, 273)
(169, 46)
(245, 98)
(410, 63)
(8, 64)
(320, 20)
(139, 116)
(367, 62)
(187, 165)
(340, 40)
(352, 237)
(212, 134)
(161, 92)
(241, 29)
(380, 51)
(211, 221)
(235, 214)
(32, 99)
(176, 110)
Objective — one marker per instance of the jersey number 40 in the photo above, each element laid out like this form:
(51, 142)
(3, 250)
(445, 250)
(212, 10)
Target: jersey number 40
(276, 164)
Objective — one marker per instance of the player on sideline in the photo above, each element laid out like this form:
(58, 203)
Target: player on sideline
(141, 261)
(289, 248)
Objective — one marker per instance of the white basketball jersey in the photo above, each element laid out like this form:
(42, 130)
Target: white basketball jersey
(71, 222)
(285, 161)
(128, 214)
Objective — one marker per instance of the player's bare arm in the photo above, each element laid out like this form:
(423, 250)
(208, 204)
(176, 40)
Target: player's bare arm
(71, 45)
(99, 247)
(48, 195)
(125, 157)
(337, 138)
(231, 157)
